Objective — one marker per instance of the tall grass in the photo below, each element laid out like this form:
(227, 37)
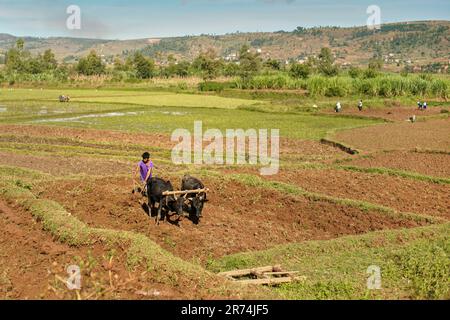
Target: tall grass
(384, 85)
(341, 86)
(278, 81)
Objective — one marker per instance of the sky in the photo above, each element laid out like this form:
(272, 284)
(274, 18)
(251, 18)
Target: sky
(136, 19)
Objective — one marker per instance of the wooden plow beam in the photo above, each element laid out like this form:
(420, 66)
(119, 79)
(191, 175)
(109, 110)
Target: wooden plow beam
(179, 193)
(270, 275)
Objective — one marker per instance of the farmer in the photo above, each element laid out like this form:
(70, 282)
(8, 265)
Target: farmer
(420, 105)
(360, 105)
(424, 106)
(144, 171)
(338, 107)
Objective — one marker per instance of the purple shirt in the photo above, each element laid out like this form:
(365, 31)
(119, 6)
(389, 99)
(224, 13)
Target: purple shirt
(144, 169)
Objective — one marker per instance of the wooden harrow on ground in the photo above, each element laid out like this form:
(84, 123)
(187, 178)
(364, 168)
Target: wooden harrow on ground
(270, 275)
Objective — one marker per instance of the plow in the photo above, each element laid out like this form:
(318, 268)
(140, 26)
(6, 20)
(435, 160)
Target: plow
(184, 193)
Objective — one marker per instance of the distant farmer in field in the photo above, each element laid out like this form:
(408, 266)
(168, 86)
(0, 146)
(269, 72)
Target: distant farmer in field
(419, 104)
(360, 105)
(144, 171)
(424, 106)
(63, 98)
(338, 107)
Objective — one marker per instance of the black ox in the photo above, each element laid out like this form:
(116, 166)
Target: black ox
(155, 189)
(196, 200)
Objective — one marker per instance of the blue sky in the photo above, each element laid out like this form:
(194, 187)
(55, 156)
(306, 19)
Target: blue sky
(132, 19)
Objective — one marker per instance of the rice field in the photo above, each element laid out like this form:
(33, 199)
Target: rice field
(161, 112)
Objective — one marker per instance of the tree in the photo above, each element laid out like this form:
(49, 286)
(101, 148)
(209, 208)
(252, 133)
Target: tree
(62, 72)
(35, 65)
(144, 67)
(326, 64)
(326, 56)
(20, 44)
(273, 64)
(49, 60)
(19, 60)
(119, 65)
(15, 59)
(231, 69)
(182, 69)
(91, 65)
(250, 63)
(208, 64)
(300, 71)
(171, 59)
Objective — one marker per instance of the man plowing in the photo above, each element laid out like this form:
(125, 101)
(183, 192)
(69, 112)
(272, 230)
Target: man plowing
(143, 172)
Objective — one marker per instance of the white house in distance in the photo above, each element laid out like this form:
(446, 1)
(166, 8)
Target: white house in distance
(231, 57)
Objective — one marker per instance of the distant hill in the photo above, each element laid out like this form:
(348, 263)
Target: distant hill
(398, 43)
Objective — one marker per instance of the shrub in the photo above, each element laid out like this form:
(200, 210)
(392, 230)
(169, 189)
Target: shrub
(182, 85)
(354, 72)
(370, 73)
(91, 65)
(300, 71)
(211, 86)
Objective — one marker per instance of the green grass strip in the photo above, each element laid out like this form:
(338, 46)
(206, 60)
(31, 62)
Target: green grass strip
(396, 173)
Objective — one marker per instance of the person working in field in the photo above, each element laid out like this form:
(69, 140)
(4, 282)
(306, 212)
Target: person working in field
(144, 171)
(360, 105)
(338, 107)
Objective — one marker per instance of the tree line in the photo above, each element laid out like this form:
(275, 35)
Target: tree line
(207, 65)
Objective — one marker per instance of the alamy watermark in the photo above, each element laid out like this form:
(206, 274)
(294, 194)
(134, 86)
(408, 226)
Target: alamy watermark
(374, 279)
(374, 20)
(236, 146)
(73, 22)
(73, 282)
